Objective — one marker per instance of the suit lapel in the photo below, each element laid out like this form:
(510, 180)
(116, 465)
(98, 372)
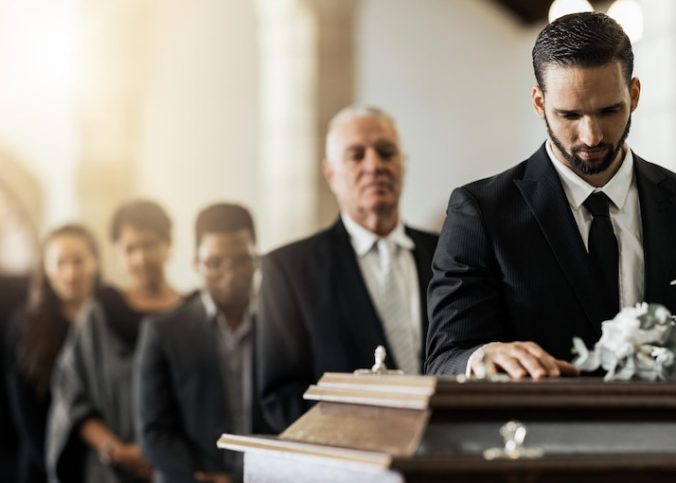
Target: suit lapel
(209, 344)
(544, 195)
(423, 264)
(360, 316)
(657, 215)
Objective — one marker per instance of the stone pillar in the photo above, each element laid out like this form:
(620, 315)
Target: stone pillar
(306, 75)
(20, 216)
(336, 79)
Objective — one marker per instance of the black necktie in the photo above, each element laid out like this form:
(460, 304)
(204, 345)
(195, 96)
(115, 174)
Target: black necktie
(603, 252)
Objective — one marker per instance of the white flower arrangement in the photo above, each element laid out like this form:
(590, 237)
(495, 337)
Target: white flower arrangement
(637, 344)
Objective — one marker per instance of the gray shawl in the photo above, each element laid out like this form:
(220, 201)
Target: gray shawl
(93, 377)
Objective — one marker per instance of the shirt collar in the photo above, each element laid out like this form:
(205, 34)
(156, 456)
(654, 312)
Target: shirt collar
(363, 240)
(209, 305)
(578, 190)
(216, 316)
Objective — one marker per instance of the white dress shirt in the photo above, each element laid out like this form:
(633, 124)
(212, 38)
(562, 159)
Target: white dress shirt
(236, 349)
(625, 216)
(364, 243)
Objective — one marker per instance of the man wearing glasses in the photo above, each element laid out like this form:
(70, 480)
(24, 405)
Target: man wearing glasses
(195, 365)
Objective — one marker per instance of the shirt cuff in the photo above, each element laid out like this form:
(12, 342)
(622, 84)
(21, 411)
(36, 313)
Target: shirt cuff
(475, 354)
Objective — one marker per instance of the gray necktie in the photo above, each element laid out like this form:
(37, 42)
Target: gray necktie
(395, 310)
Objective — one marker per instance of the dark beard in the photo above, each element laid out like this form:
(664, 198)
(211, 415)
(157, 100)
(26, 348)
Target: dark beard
(585, 167)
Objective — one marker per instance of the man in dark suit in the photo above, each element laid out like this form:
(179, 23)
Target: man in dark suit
(328, 301)
(195, 365)
(549, 249)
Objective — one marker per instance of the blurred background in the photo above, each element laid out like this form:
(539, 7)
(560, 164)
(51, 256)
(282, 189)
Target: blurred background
(192, 102)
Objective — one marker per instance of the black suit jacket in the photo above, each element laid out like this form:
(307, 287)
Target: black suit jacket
(181, 401)
(316, 315)
(511, 264)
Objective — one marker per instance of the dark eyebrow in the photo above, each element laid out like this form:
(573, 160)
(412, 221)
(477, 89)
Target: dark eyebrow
(565, 111)
(385, 142)
(614, 106)
(573, 112)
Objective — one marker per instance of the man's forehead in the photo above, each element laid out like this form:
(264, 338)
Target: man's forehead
(359, 129)
(366, 128)
(575, 76)
(567, 86)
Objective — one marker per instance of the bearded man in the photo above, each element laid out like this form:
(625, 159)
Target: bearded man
(551, 248)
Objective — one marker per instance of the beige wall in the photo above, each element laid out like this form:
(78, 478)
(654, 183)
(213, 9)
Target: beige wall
(199, 131)
(38, 68)
(457, 76)
(455, 73)
(653, 132)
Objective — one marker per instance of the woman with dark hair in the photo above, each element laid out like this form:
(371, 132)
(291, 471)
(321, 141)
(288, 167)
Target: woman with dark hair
(61, 288)
(92, 424)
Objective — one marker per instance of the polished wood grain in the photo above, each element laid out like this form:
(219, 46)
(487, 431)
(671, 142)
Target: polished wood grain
(395, 429)
(383, 429)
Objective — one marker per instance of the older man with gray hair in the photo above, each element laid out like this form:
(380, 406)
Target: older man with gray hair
(329, 300)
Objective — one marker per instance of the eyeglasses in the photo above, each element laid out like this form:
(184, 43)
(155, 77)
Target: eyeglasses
(231, 264)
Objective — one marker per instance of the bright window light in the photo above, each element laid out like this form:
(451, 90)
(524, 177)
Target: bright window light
(559, 8)
(629, 15)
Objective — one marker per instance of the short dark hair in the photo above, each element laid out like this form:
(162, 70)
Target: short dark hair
(143, 215)
(223, 218)
(582, 40)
